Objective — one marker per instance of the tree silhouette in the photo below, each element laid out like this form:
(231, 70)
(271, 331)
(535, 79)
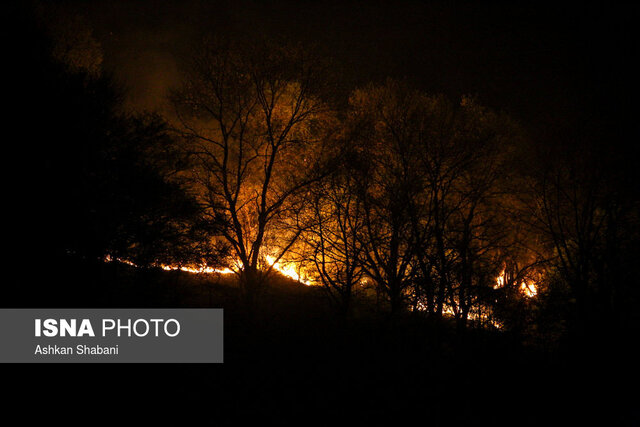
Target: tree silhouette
(251, 123)
(99, 181)
(581, 208)
(430, 197)
(331, 239)
(382, 128)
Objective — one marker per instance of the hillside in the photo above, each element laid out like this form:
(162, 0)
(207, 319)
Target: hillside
(291, 358)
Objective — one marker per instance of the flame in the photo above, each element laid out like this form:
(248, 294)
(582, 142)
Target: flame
(198, 270)
(500, 280)
(527, 287)
(472, 315)
(287, 269)
(109, 258)
(291, 270)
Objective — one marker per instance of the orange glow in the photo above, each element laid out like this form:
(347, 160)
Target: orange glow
(292, 271)
(527, 287)
(499, 281)
(482, 317)
(198, 270)
(287, 269)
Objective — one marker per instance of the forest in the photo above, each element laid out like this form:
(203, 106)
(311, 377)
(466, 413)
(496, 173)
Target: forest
(377, 248)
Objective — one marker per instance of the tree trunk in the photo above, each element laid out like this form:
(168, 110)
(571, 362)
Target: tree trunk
(250, 286)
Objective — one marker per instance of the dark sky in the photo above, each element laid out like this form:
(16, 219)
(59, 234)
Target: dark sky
(562, 68)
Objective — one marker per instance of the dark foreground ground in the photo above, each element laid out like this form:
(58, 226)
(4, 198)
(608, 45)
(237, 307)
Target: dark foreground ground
(290, 361)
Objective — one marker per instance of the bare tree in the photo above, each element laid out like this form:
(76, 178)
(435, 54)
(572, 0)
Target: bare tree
(252, 124)
(333, 239)
(430, 196)
(580, 210)
(383, 127)
(474, 228)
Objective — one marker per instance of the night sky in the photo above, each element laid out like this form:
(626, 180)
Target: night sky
(563, 70)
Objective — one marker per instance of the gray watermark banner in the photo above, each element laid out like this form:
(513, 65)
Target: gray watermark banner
(116, 335)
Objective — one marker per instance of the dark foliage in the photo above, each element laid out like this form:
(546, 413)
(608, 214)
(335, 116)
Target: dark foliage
(89, 181)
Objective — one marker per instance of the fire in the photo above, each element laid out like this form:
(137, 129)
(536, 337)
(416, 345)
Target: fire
(291, 270)
(484, 317)
(527, 287)
(499, 281)
(287, 269)
(198, 270)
